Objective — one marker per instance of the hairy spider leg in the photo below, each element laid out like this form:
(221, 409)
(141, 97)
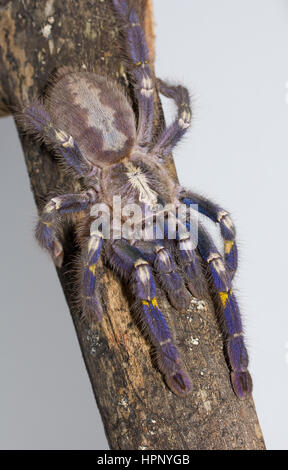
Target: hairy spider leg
(47, 227)
(187, 256)
(92, 307)
(227, 228)
(129, 262)
(173, 133)
(237, 353)
(166, 273)
(141, 72)
(38, 121)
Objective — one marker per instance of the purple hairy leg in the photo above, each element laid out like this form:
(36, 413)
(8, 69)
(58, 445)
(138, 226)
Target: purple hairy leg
(92, 308)
(174, 133)
(187, 257)
(227, 228)
(47, 227)
(237, 353)
(141, 72)
(129, 262)
(36, 120)
(190, 262)
(166, 273)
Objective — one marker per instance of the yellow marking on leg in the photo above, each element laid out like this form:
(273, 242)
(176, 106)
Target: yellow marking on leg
(154, 302)
(224, 297)
(148, 303)
(92, 269)
(48, 224)
(141, 63)
(228, 245)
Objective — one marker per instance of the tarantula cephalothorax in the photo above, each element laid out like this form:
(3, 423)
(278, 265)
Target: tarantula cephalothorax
(89, 122)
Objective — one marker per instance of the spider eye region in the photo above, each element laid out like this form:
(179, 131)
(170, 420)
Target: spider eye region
(140, 182)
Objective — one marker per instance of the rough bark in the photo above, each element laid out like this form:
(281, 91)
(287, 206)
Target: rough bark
(137, 409)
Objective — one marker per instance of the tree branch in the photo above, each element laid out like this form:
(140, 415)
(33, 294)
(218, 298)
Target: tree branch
(137, 409)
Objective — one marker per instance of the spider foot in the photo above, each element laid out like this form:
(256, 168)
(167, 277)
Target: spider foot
(242, 383)
(92, 311)
(240, 377)
(46, 236)
(179, 383)
(180, 299)
(167, 355)
(178, 295)
(57, 253)
(197, 287)
(169, 362)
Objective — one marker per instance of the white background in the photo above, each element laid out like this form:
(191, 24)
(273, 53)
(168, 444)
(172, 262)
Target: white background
(232, 55)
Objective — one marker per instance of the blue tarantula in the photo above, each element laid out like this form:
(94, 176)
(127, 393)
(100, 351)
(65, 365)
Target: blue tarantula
(89, 122)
